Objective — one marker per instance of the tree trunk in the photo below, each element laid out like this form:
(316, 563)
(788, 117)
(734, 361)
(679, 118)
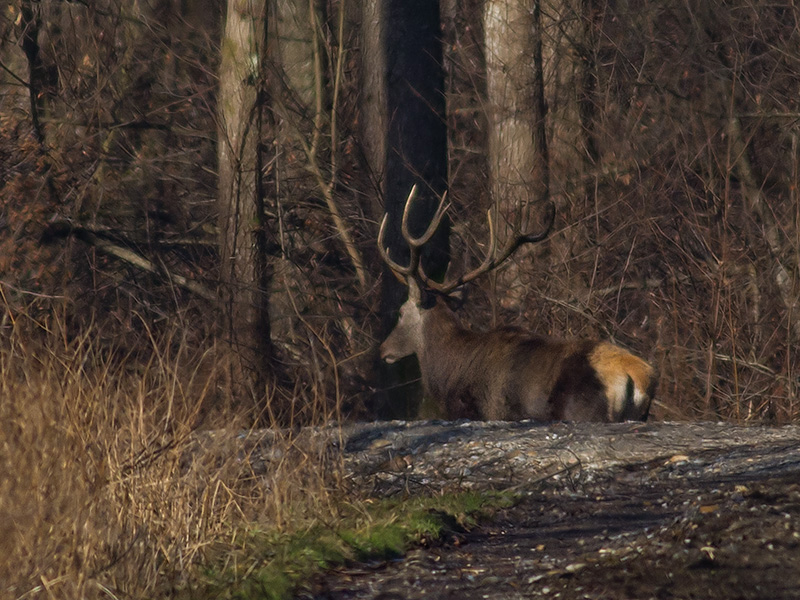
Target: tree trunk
(416, 153)
(518, 157)
(510, 80)
(244, 268)
(372, 99)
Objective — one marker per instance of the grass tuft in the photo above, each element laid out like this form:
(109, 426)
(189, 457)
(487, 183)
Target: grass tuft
(276, 566)
(107, 489)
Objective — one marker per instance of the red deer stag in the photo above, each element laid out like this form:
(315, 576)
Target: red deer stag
(507, 373)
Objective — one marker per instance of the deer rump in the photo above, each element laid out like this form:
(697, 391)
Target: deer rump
(509, 374)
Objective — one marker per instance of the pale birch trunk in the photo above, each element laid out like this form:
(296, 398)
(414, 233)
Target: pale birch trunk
(244, 267)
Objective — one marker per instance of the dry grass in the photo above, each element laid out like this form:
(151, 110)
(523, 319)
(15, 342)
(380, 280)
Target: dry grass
(98, 497)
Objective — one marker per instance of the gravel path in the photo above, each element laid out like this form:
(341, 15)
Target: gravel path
(658, 510)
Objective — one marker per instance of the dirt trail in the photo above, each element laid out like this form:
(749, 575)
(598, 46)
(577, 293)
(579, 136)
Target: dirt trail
(700, 511)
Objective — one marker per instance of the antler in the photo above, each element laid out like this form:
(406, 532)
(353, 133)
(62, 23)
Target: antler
(414, 243)
(490, 262)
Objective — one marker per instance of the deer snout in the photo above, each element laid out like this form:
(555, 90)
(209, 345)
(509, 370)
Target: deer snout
(387, 355)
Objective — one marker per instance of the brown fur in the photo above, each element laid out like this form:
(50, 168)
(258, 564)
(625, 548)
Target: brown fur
(509, 374)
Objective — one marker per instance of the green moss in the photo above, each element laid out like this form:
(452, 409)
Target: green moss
(272, 565)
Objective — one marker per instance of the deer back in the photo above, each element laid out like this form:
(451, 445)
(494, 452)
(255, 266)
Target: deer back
(509, 374)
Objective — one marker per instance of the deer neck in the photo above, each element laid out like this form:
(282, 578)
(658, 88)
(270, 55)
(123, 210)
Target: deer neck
(440, 328)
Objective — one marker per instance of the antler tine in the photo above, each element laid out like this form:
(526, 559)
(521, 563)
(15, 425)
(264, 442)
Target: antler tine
(384, 252)
(528, 238)
(414, 243)
(417, 242)
(491, 261)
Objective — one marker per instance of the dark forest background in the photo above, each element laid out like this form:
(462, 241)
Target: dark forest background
(667, 140)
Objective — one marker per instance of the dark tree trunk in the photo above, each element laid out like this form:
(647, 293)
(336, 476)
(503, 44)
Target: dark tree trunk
(417, 130)
(416, 153)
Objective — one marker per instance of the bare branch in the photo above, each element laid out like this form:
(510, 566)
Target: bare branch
(62, 229)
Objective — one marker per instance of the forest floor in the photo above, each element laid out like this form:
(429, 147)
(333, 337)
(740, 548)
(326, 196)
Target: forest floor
(659, 510)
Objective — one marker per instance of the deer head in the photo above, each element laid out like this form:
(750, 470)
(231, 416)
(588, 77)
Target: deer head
(406, 337)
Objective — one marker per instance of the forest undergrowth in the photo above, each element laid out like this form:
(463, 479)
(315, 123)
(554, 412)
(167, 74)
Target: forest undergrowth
(102, 490)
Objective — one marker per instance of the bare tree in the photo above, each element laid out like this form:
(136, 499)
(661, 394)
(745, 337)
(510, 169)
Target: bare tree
(244, 265)
(518, 163)
(372, 100)
(415, 153)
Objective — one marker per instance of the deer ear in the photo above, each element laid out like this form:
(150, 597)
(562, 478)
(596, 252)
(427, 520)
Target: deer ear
(457, 298)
